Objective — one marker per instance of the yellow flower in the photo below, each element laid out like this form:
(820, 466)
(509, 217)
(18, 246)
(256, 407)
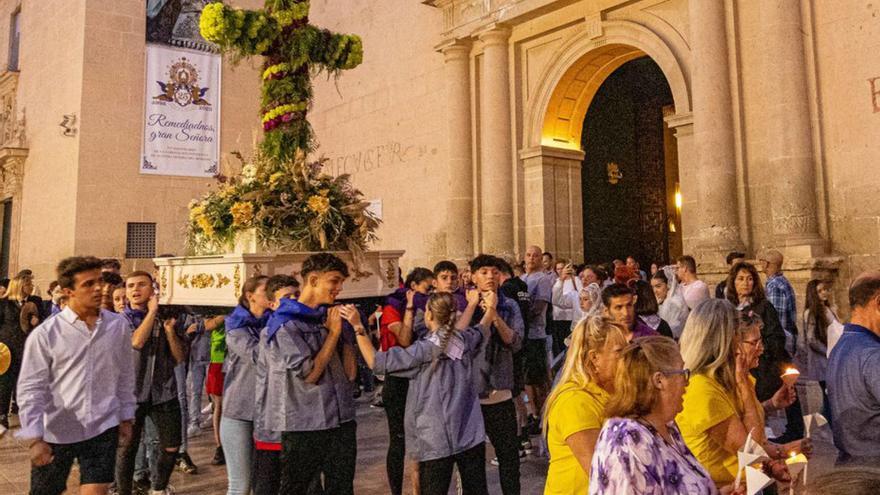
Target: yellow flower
(195, 211)
(242, 214)
(275, 179)
(205, 224)
(319, 204)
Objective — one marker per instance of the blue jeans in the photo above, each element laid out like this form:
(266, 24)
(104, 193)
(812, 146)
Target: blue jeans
(180, 378)
(237, 439)
(195, 389)
(145, 462)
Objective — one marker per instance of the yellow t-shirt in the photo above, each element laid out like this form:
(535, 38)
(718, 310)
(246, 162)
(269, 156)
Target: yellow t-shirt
(706, 404)
(574, 410)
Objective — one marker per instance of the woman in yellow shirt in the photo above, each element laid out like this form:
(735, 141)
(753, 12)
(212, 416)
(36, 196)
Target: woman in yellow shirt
(574, 410)
(720, 347)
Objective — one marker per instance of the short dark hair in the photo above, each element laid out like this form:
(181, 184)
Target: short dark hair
(646, 301)
(112, 263)
(445, 266)
(27, 272)
(758, 288)
(734, 255)
(504, 267)
(661, 276)
(52, 286)
(323, 263)
(417, 275)
(615, 290)
(547, 253)
(863, 289)
(689, 262)
(68, 268)
(483, 260)
(139, 273)
(250, 286)
(111, 278)
(279, 282)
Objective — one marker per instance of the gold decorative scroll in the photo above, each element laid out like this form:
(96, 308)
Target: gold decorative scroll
(203, 280)
(236, 281)
(183, 281)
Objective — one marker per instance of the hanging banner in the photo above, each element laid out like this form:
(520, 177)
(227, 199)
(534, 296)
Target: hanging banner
(182, 116)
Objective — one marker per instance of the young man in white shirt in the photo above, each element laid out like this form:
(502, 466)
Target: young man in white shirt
(69, 409)
(693, 289)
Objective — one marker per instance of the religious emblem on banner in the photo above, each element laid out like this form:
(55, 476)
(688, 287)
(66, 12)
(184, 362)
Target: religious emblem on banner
(182, 85)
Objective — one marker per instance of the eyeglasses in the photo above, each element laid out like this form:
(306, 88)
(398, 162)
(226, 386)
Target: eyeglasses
(686, 372)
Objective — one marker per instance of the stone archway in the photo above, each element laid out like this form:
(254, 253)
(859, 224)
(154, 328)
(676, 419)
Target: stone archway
(551, 154)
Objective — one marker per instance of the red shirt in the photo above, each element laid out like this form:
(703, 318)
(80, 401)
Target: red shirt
(387, 339)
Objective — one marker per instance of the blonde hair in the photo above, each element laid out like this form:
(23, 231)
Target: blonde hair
(443, 311)
(14, 292)
(708, 341)
(592, 333)
(634, 392)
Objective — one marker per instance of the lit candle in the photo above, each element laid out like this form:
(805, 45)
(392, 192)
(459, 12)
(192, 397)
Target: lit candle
(790, 376)
(796, 463)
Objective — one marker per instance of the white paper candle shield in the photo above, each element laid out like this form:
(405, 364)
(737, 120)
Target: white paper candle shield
(756, 480)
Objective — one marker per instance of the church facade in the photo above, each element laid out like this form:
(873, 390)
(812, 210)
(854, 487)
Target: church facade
(768, 115)
(595, 129)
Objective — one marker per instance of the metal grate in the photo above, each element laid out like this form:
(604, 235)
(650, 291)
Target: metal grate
(140, 240)
(14, 40)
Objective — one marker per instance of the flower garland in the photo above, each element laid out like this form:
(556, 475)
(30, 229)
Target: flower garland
(292, 49)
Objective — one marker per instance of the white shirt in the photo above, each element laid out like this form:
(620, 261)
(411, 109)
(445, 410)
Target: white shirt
(76, 383)
(694, 293)
(563, 310)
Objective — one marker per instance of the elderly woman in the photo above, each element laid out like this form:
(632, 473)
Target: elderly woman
(720, 347)
(745, 291)
(640, 449)
(574, 410)
(18, 316)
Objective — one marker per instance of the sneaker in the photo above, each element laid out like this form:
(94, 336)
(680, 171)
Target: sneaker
(525, 446)
(185, 464)
(207, 423)
(141, 484)
(4, 421)
(193, 431)
(219, 458)
(169, 490)
(495, 462)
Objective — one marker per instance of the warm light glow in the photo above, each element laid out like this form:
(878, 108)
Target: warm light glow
(678, 199)
(792, 454)
(791, 371)
(553, 142)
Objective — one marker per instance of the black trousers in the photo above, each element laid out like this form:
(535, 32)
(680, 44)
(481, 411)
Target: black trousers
(267, 472)
(166, 417)
(10, 378)
(394, 401)
(500, 421)
(560, 329)
(435, 475)
(96, 457)
(305, 454)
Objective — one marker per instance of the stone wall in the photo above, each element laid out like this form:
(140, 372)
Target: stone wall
(384, 122)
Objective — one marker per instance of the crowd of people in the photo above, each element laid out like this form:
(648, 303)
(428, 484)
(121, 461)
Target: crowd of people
(630, 381)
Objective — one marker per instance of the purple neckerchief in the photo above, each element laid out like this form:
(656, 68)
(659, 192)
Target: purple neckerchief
(397, 300)
(291, 309)
(135, 316)
(242, 319)
(640, 329)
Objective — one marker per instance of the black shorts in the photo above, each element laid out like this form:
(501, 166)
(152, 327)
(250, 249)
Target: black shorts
(534, 354)
(97, 464)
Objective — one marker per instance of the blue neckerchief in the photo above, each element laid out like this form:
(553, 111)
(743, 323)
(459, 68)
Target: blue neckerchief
(242, 319)
(135, 316)
(291, 309)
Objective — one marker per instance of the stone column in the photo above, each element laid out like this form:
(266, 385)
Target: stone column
(496, 172)
(789, 136)
(459, 184)
(714, 165)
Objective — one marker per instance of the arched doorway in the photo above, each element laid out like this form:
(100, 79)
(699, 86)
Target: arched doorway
(630, 170)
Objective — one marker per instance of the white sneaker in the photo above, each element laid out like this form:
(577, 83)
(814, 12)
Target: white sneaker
(193, 431)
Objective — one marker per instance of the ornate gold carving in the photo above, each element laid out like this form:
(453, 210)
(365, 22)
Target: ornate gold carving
(202, 281)
(183, 281)
(390, 274)
(163, 278)
(257, 270)
(359, 275)
(236, 281)
(222, 280)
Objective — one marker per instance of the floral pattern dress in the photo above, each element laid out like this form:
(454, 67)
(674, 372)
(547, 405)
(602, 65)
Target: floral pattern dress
(632, 458)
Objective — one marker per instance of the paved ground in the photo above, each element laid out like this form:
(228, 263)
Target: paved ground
(370, 480)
